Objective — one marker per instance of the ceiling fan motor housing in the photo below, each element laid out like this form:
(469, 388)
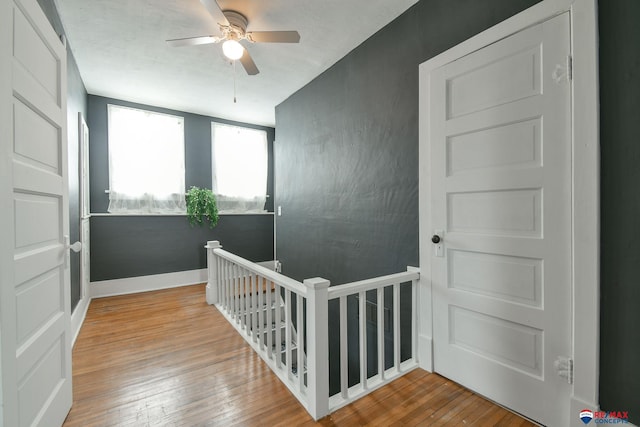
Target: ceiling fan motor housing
(237, 24)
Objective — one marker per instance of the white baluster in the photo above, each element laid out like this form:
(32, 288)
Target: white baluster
(362, 322)
(288, 326)
(278, 329)
(247, 301)
(300, 341)
(230, 285)
(236, 292)
(232, 291)
(243, 292)
(223, 283)
(268, 326)
(344, 350)
(220, 281)
(254, 307)
(396, 326)
(380, 330)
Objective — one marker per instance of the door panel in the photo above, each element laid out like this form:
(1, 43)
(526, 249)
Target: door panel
(504, 80)
(35, 54)
(510, 278)
(37, 302)
(36, 342)
(36, 140)
(505, 212)
(499, 129)
(510, 145)
(509, 343)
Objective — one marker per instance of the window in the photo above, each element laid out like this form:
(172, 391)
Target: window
(239, 159)
(146, 161)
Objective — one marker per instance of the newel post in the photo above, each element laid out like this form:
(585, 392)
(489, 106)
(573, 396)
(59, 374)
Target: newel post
(317, 347)
(212, 272)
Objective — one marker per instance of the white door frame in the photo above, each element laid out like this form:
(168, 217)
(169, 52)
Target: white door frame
(585, 188)
(6, 214)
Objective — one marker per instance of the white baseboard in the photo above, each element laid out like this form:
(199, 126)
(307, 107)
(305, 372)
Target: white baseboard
(77, 318)
(132, 285)
(425, 353)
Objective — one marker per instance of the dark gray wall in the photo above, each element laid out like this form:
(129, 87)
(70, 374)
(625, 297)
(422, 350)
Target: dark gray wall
(129, 246)
(144, 245)
(620, 206)
(347, 151)
(76, 102)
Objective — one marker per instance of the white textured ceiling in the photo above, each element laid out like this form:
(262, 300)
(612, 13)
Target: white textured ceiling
(120, 49)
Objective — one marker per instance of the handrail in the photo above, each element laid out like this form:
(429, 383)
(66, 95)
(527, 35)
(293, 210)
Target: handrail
(373, 283)
(271, 275)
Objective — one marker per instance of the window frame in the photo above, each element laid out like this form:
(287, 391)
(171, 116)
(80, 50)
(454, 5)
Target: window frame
(155, 204)
(232, 205)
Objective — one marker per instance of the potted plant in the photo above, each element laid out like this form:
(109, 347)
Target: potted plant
(201, 207)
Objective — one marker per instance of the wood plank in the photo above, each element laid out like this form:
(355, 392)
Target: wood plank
(168, 358)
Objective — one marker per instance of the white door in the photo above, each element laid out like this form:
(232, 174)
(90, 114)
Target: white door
(36, 341)
(500, 140)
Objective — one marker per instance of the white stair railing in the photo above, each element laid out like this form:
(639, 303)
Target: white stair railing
(286, 323)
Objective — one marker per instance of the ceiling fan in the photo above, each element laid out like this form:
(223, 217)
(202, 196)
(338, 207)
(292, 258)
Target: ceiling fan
(233, 26)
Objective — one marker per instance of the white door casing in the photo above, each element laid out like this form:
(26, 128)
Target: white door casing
(500, 190)
(35, 296)
(85, 272)
(583, 342)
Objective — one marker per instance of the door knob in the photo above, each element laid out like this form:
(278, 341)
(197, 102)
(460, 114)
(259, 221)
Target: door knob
(436, 239)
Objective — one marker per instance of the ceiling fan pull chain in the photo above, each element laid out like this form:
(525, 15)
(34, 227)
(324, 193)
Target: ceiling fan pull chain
(234, 81)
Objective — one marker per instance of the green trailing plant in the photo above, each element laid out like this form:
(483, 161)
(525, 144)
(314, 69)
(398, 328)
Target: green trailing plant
(201, 207)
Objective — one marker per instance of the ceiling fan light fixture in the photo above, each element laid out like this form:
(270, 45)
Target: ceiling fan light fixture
(232, 49)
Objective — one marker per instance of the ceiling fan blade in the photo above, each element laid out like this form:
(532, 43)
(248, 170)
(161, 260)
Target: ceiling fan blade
(248, 64)
(274, 36)
(214, 10)
(193, 41)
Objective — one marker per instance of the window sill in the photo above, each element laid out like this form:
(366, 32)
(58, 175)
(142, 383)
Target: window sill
(104, 214)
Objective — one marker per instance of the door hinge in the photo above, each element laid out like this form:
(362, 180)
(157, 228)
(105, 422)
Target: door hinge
(569, 67)
(564, 368)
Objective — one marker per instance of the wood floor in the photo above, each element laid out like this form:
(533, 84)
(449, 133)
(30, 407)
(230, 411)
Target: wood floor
(166, 358)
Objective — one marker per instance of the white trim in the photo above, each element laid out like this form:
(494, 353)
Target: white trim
(425, 315)
(425, 347)
(585, 186)
(106, 214)
(586, 205)
(7, 377)
(77, 318)
(154, 282)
